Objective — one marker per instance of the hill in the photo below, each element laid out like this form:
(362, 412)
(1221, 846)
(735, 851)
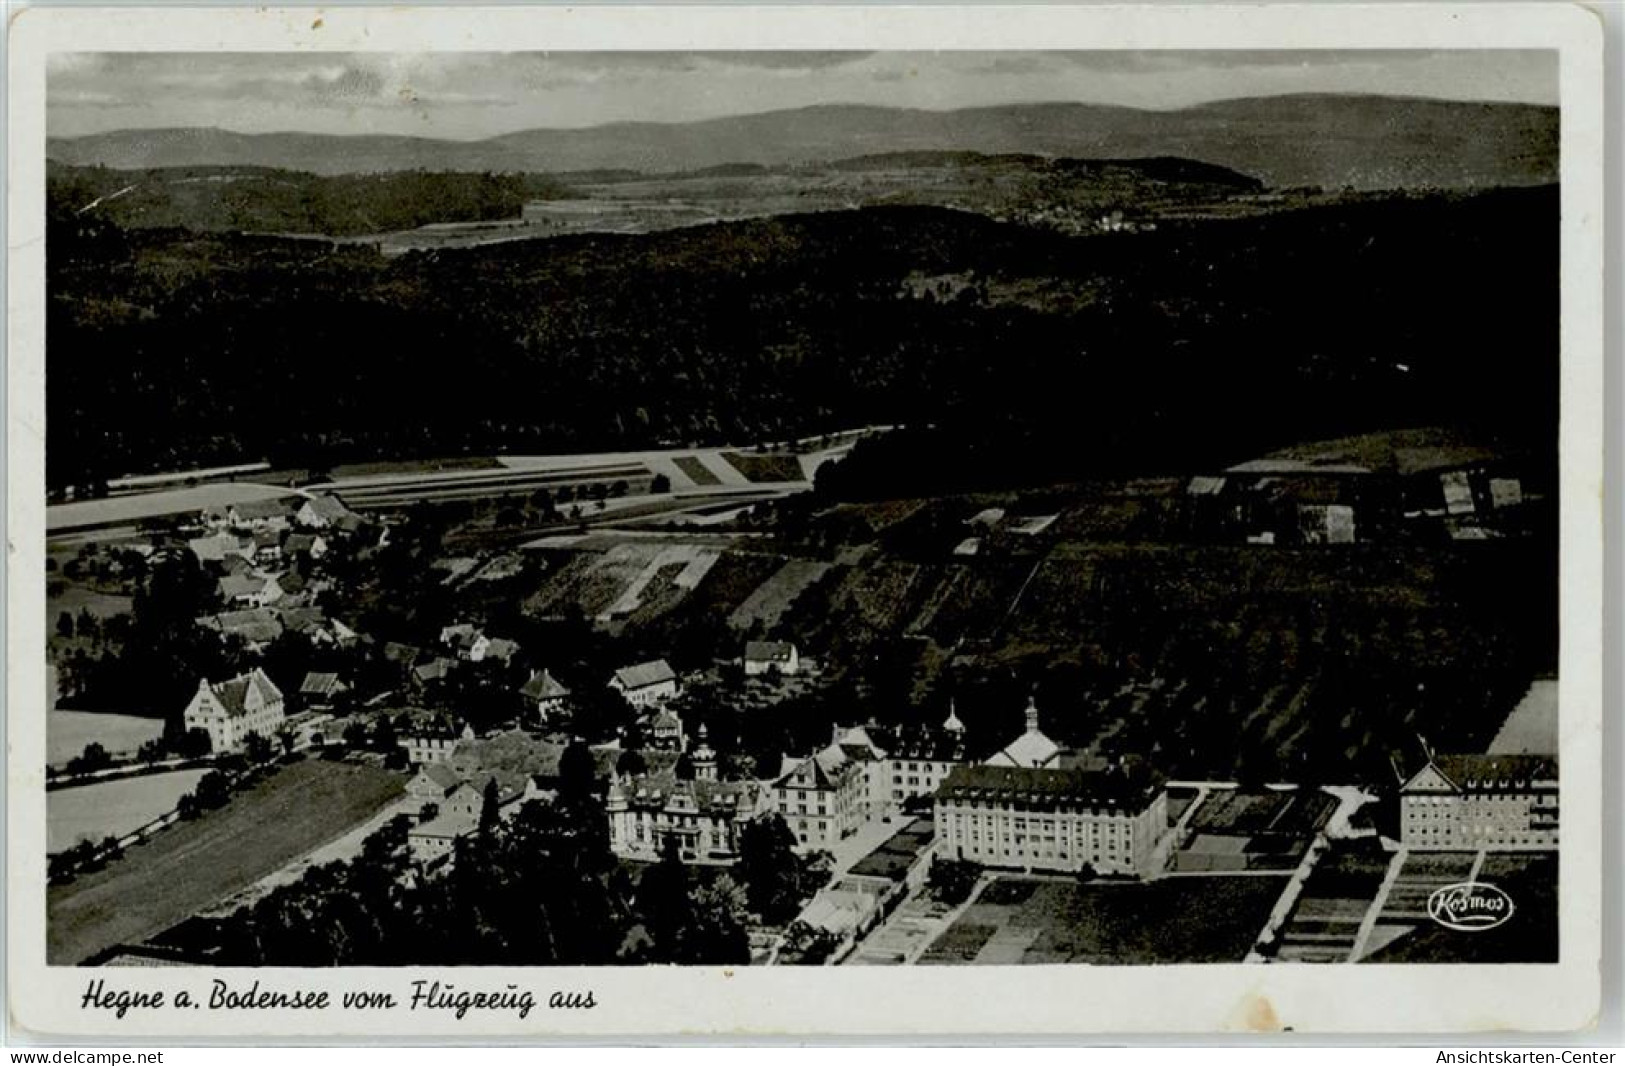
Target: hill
(1368, 142)
(1060, 354)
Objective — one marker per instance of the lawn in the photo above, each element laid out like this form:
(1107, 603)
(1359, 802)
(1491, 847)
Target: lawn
(697, 471)
(1185, 919)
(192, 865)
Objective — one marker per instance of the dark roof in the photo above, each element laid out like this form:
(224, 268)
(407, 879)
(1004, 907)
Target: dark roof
(893, 859)
(319, 684)
(769, 651)
(251, 510)
(1495, 773)
(642, 675)
(1045, 788)
(927, 743)
(233, 694)
(328, 507)
(401, 653)
(543, 686)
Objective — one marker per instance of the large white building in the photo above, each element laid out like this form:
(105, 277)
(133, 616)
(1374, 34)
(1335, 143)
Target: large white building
(1049, 818)
(231, 710)
(646, 684)
(1493, 802)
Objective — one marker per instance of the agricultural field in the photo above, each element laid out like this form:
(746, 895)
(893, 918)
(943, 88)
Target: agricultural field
(1176, 920)
(696, 471)
(117, 510)
(187, 867)
(767, 603)
(112, 808)
(766, 468)
(67, 733)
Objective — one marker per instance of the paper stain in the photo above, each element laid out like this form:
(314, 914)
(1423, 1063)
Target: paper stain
(317, 24)
(1258, 1015)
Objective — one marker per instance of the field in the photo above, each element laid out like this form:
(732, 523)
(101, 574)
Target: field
(113, 808)
(697, 471)
(67, 733)
(1186, 919)
(767, 603)
(766, 467)
(184, 869)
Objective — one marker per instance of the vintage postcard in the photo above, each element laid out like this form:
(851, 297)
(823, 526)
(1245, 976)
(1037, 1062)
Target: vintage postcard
(739, 522)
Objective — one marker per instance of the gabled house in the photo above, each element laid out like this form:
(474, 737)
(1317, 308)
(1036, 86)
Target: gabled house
(260, 515)
(250, 590)
(466, 640)
(325, 512)
(216, 547)
(321, 689)
(544, 692)
(771, 656)
(1031, 749)
(256, 627)
(646, 684)
(230, 710)
(433, 741)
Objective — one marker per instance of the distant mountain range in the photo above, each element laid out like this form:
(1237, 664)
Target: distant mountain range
(1361, 141)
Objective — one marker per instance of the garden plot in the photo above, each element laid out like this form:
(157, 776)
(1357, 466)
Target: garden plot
(684, 567)
(770, 599)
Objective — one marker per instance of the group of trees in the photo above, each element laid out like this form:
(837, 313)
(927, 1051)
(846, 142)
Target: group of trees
(1211, 339)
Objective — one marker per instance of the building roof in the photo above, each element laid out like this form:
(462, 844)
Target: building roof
(401, 653)
(1494, 773)
(642, 675)
(893, 859)
(501, 648)
(1205, 486)
(257, 625)
(1129, 786)
(769, 651)
(441, 775)
(233, 586)
(543, 686)
(299, 542)
(450, 823)
(435, 669)
(327, 507)
(666, 719)
(660, 791)
(1030, 749)
(320, 684)
(233, 694)
(259, 510)
(215, 547)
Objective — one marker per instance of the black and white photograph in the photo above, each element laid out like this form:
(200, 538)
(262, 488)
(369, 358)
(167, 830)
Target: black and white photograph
(1053, 507)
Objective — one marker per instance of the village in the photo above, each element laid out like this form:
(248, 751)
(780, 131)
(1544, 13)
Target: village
(919, 838)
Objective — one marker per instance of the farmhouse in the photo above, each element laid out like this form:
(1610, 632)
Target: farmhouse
(217, 546)
(1045, 818)
(321, 689)
(229, 711)
(256, 627)
(433, 783)
(771, 656)
(433, 742)
(250, 590)
(260, 515)
(326, 512)
(466, 640)
(1494, 802)
(645, 684)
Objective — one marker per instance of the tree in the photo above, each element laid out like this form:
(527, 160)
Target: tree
(659, 484)
(213, 790)
(259, 749)
(951, 880)
(490, 803)
(64, 625)
(578, 771)
(770, 869)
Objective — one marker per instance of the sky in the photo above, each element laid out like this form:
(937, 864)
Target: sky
(474, 95)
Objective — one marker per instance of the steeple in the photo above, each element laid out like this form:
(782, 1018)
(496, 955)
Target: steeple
(1032, 714)
(703, 758)
(953, 724)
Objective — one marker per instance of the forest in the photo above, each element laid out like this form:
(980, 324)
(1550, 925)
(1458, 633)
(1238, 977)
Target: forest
(1026, 355)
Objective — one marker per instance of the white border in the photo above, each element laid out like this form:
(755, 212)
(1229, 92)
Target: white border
(1034, 1002)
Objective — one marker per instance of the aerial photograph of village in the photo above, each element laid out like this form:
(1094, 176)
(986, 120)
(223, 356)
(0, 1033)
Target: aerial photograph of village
(802, 508)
